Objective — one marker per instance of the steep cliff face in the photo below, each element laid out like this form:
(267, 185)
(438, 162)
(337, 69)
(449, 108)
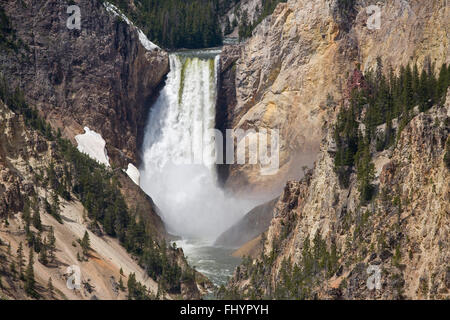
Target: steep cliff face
(24, 156)
(233, 11)
(32, 209)
(102, 76)
(325, 243)
(290, 73)
(249, 227)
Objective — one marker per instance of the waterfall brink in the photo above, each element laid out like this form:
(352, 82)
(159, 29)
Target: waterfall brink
(178, 169)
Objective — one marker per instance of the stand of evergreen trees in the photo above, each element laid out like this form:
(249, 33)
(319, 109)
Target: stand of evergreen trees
(97, 189)
(380, 101)
(8, 39)
(176, 24)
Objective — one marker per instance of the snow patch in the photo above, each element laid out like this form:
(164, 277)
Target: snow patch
(147, 44)
(93, 144)
(133, 173)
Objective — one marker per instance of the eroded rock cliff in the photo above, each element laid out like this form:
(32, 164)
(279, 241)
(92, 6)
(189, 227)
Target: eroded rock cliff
(100, 76)
(324, 242)
(290, 73)
(40, 198)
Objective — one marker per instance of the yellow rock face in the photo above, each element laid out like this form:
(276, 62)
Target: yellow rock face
(301, 55)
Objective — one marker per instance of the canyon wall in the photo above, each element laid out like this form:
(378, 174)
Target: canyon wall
(403, 233)
(290, 73)
(31, 208)
(102, 76)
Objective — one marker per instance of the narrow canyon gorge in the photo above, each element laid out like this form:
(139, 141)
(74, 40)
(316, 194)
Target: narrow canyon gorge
(114, 156)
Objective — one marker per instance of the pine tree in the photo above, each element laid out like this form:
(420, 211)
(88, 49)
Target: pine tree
(388, 134)
(55, 207)
(13, 270)
(131, 286)
(43, 257)
(416, 85)
(227, 29)
(51, 244)
(37, 242)
(431, 82)
(407, 95)
(423, 95)
(37, 220)
(443, 84)
(365, 171)
(85, 243)
(29, 276)
(26, 212)
(20, 260)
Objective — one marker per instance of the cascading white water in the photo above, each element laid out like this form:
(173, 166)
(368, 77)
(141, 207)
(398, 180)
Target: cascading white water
(178, 169)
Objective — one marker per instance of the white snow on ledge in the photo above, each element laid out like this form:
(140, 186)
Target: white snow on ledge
(134, 174)
(147, 44)
(92, 144)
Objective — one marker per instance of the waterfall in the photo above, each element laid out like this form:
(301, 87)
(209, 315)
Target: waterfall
(178, 169)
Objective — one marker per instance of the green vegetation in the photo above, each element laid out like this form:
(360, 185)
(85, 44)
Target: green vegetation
(85, 243)
(191, 24)
(176, 23)
(317, 262)
(29, 277)
(373, 100)
(378, 101)
(98, 190)
(294, 282)
(8, 39)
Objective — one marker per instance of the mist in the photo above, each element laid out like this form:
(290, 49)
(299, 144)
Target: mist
(178, 169)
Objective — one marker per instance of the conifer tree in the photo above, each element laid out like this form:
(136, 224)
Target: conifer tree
(131, 286)
(365, 171)
(37, 220)
(26, 212)
(85, 243)
(43, 256)
(443, 83)
(51, 244)
(29, 276)
(13, 270)
(20, 260)
(423, 95)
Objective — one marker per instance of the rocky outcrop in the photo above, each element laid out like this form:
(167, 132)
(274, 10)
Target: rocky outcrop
(26, 156)
(403, 233)
(226, 98)
(234, 11)
(100, 76)
(290, 73)
(138, 201)
(249, 227)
